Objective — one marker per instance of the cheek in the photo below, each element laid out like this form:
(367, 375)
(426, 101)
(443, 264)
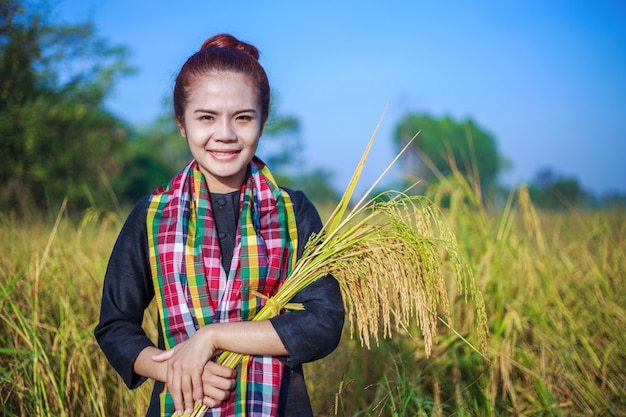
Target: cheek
(196, 133)
(258, 132)
(254, 143)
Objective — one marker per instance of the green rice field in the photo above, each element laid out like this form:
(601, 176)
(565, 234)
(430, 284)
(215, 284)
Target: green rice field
(553, 284)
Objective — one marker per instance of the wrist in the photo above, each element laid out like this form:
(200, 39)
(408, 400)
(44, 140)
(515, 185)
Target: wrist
(209, 336)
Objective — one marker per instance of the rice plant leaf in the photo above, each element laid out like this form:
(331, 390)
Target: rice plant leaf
(6, 289)
(386, 170)
(337, 216)
(14, 351)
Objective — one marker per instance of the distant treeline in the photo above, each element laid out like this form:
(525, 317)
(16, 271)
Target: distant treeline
(58, 139)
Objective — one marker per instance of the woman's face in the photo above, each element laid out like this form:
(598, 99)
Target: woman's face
(222, 125)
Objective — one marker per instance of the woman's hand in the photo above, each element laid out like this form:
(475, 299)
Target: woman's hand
(218, 381)
(192, 377)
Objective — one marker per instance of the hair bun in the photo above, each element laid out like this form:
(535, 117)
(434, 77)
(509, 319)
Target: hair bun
(226, 41)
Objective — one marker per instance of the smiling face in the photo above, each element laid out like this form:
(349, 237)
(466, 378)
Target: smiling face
(222, 124)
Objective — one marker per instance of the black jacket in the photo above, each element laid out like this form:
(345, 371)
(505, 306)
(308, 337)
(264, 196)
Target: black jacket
(307, 335)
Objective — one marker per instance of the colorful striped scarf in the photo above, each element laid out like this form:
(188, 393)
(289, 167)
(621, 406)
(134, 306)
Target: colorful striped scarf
(191, 286)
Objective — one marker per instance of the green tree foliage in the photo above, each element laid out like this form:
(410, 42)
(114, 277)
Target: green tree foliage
(444, 142)
(281, 146)
(282, 149)
(154, 154)
(58, 139)
(316, 186)
(552, 191)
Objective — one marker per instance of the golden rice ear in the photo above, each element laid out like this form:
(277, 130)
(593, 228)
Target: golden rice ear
(389, 256)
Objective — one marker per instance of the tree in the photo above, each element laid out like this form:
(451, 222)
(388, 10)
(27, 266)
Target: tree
(58, 139)
(315, 185)
(281, 145)
(553, 191)
(154, 155)
(445, 141)
(281, 148)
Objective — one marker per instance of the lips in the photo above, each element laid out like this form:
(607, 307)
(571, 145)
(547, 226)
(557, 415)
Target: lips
(224, 154)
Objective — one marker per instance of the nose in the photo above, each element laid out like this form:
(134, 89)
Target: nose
(225, 131)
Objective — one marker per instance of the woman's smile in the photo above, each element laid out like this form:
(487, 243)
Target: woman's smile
(222, 125)
(224, 155)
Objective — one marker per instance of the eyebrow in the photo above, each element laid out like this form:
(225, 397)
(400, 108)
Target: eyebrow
(217, 112)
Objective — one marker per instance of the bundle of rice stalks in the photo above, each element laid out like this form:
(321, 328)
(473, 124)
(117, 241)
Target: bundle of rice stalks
(388, 253)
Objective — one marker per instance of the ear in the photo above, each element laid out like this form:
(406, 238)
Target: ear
(181, 128)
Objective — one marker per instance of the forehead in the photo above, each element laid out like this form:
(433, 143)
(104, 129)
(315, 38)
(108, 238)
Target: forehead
(216, 87)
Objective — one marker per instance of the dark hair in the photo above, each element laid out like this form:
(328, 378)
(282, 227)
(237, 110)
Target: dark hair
(222, 53)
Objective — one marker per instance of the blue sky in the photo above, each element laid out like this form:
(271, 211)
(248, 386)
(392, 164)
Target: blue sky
(546, 78)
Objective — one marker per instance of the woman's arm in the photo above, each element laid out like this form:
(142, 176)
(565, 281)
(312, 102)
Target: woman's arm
(146, 366)
(187, 377)
(313, 333)
(300, 336)
(126, 293)
(214, 385)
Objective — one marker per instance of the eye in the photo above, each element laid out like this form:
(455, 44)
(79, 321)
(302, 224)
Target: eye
(206, 117)
(244, 117)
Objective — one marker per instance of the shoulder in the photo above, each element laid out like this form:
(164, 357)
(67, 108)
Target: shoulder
(298, 198)
(135, 227)
(303, 207)
(307, 218)
(140, 210)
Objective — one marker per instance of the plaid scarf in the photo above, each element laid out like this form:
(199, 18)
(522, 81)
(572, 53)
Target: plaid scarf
(191, 286)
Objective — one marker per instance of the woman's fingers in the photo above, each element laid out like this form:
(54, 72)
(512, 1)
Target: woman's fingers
(197, 391)
(218, 382)
(212, 368)
(185, 385)
(186, 388)
(185, 366)
(174, 387)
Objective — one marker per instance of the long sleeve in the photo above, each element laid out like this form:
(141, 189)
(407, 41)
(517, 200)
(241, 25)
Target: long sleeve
(313, 333)
(127, 292)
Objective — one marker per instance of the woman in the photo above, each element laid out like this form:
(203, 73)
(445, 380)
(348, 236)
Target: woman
(212, 245)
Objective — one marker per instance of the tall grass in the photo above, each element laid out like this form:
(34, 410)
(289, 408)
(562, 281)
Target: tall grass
(553, 284)
(50, 283)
